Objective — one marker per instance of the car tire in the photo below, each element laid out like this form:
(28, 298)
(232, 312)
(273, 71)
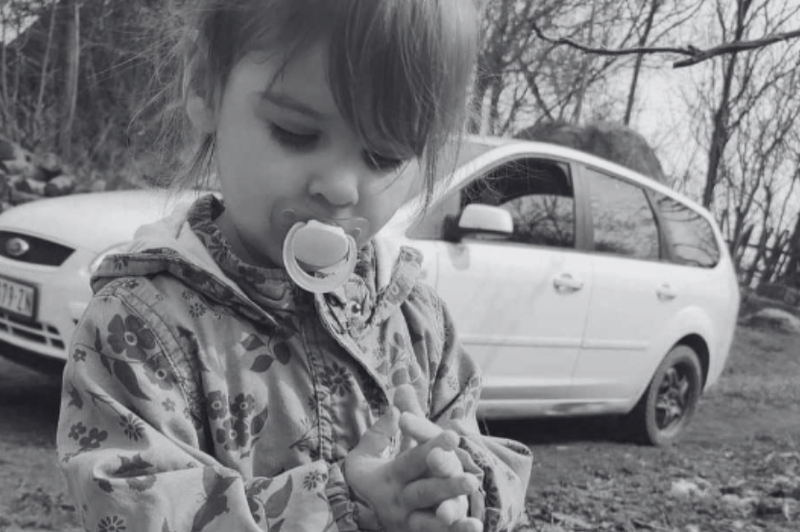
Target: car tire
(670, 401)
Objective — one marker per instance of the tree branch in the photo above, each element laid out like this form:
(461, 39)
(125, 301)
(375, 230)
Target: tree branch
(695, 54)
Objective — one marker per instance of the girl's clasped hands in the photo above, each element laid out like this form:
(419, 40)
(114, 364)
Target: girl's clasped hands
(422, 489)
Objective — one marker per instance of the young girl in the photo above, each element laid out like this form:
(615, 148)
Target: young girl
(244, 366)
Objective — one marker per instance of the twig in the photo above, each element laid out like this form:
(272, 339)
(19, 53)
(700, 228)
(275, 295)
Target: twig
(642, 524)
(696, 55)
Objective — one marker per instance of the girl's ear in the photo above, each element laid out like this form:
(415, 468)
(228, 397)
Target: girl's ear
(201, 114)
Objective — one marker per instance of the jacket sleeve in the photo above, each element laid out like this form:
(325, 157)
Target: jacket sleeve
(503, 466)
(134, 450)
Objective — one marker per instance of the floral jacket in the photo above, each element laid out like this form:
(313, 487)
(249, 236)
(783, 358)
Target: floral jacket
(202, 393)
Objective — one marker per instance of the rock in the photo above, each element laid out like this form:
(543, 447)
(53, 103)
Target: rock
(774, 319)
(9, 150)
(48, 165)
(744, 506)
(98, 186)
(19, 167)
(685, 489)
(60, 186)
(784, 486)
(18, 196)
(33, 186)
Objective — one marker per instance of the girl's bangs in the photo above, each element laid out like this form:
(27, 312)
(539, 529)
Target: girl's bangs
(399, 72)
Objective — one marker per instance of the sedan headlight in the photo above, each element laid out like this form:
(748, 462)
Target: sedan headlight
(117, 248)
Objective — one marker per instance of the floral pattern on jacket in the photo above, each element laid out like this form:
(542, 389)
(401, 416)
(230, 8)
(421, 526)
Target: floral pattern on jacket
(203, 393)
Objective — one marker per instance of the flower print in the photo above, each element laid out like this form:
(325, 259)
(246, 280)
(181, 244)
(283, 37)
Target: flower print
(93, 439)
(400, 376)
(130, 336)
(337, 379)
(112, 523)
(76, 430)
(169, 405)
(242, 405)
(158, 371)
(197, 309)
(234, 434)
(119, 261)
(79, 355)
(314, 479)
(132, 427)
(187, 294)
(373, 393)
(312, 402)
(217, 405)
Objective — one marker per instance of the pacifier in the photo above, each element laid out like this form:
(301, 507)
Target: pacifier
(320, 256)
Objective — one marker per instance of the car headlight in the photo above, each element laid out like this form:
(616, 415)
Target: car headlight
(117, 248)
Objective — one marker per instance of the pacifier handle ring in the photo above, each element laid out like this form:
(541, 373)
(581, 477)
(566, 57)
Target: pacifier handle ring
(313, 283)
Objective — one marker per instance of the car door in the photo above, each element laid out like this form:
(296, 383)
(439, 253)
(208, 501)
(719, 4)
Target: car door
(519, 303)
(636, 289)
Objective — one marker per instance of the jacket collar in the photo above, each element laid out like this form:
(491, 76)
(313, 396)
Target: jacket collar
(189, 246)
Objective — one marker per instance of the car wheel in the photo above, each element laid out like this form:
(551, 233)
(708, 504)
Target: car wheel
(667, 406)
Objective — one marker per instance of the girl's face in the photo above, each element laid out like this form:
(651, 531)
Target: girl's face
(285, 154)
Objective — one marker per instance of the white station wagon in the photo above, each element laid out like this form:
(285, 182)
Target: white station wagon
(581, 287)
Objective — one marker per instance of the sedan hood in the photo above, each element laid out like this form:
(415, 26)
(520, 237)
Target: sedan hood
(93, 221)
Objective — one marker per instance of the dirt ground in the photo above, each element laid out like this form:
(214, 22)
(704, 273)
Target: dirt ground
(738, 469)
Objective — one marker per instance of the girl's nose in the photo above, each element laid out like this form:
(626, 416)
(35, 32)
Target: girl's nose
(337, 184)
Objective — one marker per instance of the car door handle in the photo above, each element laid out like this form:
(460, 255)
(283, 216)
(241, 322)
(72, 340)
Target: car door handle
(566, 283)
(665, 292)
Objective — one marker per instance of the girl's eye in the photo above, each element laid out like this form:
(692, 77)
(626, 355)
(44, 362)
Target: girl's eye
(292, 139)
(382, 163)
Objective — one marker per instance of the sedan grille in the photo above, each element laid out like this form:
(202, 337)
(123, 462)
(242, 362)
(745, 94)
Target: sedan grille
(33, 250)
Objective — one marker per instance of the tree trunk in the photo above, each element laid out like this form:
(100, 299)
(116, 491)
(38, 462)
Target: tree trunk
(654, 5)
(790, 274)
(587, 61)
(720, 134)
(40, 129)
(761, 250)
(71, 66)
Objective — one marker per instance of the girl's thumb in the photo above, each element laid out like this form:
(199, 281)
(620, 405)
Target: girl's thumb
(377, 440)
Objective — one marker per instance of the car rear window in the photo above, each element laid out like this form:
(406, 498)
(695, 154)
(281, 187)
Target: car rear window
(691, 238)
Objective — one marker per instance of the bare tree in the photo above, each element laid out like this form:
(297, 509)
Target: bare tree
(71, 65)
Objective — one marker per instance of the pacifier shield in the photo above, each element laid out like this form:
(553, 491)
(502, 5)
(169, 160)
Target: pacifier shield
(327, 252)
(318, 245)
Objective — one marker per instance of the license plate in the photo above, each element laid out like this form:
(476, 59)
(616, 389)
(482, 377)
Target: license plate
(17, 298)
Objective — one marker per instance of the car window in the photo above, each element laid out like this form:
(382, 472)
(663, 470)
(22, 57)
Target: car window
(623, 222)
(691, 238)
(536, 192)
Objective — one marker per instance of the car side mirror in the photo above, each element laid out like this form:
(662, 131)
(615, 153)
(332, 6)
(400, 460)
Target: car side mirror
(484, 221)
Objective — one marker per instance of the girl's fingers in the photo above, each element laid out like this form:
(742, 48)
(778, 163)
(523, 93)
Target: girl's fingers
(430, 492)
(469, 524)
(426, 521)
(443, 463)
(419, 427)
(413, 463)
(378, 437)
(405, 399)
(452, 510)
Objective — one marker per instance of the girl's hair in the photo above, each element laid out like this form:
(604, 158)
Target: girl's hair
(399, 70)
